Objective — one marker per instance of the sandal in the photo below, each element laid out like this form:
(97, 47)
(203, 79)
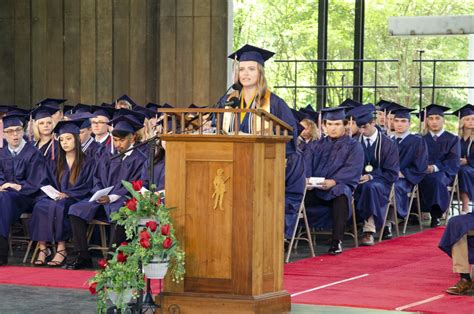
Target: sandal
(55, 263)
(47, 253)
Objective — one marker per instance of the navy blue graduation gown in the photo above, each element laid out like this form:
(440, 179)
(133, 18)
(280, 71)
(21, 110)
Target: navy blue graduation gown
(158, 175)
(306, 149)
(111, 173)
(466, 172)
(445, 153)
(371, 197)
(457, 227)
(295, 185)
(26, 169)
(104, 148)
(413, 155)
(49, 221)
(91, 148)
(47, 151)
(341, 160)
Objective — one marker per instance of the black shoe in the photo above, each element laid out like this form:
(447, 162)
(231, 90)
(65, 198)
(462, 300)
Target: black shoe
(3, 260)
(387, 232)
(79, 263)
(336, 247)
(435, 222)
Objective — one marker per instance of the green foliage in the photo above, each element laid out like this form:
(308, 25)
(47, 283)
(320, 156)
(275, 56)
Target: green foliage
(290, 29)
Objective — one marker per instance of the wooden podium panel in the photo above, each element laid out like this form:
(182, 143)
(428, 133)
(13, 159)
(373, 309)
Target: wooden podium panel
(234, 252)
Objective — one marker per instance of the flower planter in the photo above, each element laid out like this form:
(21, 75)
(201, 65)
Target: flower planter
(156, 268)
(120, 298)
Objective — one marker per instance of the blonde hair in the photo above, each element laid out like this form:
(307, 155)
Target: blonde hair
(36, 133)
(461, 129)
(262, 86)
(313, 129)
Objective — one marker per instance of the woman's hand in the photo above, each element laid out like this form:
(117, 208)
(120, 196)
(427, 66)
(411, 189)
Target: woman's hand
(62, 196)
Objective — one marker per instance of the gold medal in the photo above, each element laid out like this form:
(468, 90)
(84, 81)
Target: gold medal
(369, 168)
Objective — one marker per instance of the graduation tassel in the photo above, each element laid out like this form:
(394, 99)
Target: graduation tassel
(30, 128)
(319, 125)
(459, 124)
(111, 144)
(52, 148)
(425, 123)
(350, 126)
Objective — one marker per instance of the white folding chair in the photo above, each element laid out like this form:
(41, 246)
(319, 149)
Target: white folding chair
(453, 189)
(299, 229)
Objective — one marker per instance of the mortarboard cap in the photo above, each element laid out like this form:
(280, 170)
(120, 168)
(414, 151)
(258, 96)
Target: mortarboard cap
(13, 119)
(84, 117)
(402, 113)
(79, 108)
(68, 126)
(52, 102)
(363, 114)
(148, 113)
(152, 106)
(382, 105)
(464, 111)
(43, 111)
(6, 108)
(251, 53)
(103, 111)
(334, 114)
(125, 124)
(392, 106)
(310, 114)
(435, 109)
(134, 115)
(349, 104)
(126, 98)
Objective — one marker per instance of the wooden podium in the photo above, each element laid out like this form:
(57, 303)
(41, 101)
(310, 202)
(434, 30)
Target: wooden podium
(228, 193)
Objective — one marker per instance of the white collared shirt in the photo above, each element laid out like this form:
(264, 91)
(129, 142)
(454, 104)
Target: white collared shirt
(102, 140)
(403, 136)
(372, 138)
(437, 134)
(17, 150)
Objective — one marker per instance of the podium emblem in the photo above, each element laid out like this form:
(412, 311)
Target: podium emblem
(219, 188)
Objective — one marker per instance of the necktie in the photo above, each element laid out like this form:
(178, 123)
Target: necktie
(14, 154)
(435, 138)
(399, 139)
(368, 142)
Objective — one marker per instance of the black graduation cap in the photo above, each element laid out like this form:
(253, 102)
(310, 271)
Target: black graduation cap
(127, 98)
(349, 104)
(84, 117)
(252, 53)
(6, 108)
(299, 116)
(68, 126)
(382, 105)
(43, 111)
(52, 102)
(103, 111)
(333, 114)
(363, 114)
(435, 109)
(402, 112)
(152, 106)
(126, 124)
(81, 108)
(392, 106)
(135, 115)
(13, 119)
(465, 110)
(148, 113)
(310, 114)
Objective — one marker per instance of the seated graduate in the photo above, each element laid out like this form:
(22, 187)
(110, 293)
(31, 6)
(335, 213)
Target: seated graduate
(381, 168)
(466, 171)
(458, 242)
(21, 172)
(109, 172)
(72, 177)
(413, 154)
(43, 131)
(53, 103)
(158, 168)
(444, 154)
(256, 95)
(351, 128)
(124, 102)
(100, 128)
(339, 160)
(149, 123)
(307, 136)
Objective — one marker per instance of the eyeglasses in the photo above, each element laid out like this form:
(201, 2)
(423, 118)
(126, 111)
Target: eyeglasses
(98, 122)
(14, 131)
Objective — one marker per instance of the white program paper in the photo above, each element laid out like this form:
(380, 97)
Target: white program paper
(315, 181)
(100, 193)
(50, 191)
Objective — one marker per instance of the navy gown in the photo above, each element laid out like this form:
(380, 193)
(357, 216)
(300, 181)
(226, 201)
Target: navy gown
(466, 172)
(306, 149)
(47, 151)
(104, 148)
(49, 221)
(26, 169)
(158, 175)
(445, 153)
(413, 162)
(457, 227)
(371, 198)
(91, 147)
(110, 173)
(341, 160)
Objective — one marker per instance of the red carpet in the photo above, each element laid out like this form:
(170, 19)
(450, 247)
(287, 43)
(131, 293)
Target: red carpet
(399, 272)
(394, 274)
